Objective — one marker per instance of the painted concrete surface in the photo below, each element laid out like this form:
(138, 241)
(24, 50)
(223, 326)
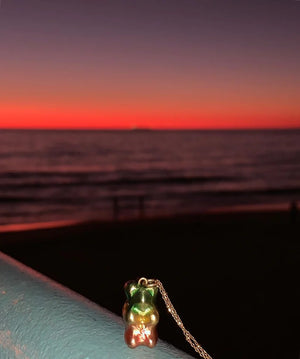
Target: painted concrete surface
(40, 319)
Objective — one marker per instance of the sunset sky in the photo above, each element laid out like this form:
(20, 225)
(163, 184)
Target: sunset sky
(149, 63)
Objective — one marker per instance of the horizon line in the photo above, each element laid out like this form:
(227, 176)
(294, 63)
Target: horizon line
(146, 129)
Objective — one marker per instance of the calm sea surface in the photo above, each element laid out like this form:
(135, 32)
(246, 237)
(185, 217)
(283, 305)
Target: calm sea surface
(57, 175)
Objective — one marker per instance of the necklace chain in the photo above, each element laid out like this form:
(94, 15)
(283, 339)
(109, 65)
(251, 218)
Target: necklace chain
(188, 336)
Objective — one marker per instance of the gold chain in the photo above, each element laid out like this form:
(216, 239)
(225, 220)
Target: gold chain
(188, 336)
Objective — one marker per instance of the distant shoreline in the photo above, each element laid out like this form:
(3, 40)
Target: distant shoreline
(232, 211)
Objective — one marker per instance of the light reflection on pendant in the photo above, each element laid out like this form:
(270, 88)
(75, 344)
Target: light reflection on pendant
(140, 315)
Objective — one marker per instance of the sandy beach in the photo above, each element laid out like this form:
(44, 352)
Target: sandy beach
(233, 277)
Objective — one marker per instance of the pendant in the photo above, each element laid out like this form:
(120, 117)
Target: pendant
(140, 314)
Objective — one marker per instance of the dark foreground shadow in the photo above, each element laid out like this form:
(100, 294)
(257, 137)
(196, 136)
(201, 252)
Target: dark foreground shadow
(234, 279)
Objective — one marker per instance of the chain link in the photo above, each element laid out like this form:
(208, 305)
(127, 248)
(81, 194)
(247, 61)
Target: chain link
(188, 336)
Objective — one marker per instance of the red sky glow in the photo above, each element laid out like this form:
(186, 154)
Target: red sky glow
(180, 64)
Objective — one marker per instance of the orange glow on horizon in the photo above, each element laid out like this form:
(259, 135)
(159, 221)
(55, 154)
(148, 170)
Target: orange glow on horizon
(32, 117)
(54, 119)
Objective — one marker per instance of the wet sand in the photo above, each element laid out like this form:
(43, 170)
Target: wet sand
(232, 277)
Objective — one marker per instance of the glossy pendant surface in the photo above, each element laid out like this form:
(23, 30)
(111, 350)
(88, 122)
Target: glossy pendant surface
(140, 314)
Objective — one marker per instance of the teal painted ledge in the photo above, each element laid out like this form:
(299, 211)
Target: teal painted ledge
(41, 319)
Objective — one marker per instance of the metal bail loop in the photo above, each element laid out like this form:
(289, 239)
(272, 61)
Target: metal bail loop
(143, 281)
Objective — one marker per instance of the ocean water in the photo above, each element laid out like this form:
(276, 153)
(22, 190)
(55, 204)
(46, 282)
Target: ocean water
(62, 175)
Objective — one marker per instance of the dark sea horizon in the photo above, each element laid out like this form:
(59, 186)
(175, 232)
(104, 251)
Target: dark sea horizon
(53, 175)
